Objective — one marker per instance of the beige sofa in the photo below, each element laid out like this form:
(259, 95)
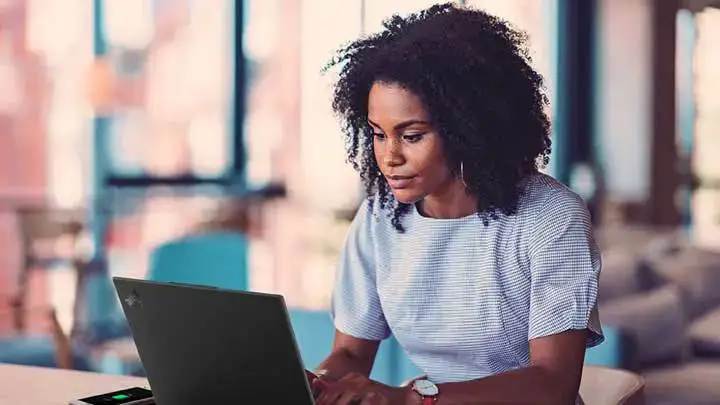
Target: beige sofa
(663, 294)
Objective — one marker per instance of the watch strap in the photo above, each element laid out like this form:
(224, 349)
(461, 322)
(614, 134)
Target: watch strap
(429, 400)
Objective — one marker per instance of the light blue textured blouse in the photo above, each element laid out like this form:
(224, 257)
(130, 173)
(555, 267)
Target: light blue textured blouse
(464, 299)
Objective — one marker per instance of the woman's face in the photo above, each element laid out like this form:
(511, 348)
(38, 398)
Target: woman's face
(408, 150)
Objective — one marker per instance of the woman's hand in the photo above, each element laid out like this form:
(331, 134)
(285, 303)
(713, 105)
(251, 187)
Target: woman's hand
(318, 381)
(356, 389)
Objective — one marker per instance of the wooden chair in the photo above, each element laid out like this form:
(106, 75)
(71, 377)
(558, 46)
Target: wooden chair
(34, 335)
(611, 386)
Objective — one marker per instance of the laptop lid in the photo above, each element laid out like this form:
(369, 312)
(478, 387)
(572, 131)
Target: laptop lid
(208, 345)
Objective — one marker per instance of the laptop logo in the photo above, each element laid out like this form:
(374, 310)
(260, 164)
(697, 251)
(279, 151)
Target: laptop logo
(133, 300)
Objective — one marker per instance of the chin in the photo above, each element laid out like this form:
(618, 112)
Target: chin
(407, 196)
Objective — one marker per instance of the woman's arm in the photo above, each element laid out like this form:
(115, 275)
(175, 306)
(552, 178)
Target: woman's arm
(553, 376)
(349, 355)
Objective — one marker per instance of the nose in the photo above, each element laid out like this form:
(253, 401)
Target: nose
(394, 154)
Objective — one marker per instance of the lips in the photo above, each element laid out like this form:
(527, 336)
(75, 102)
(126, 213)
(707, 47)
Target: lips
(399, 182)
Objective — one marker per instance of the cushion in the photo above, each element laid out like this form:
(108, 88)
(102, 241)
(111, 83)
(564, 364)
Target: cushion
(696, 272)
(632, 238)
(36, 350)
(28, 350)
(619, 275)
(705, 334)
(655, 323)
(692, 383)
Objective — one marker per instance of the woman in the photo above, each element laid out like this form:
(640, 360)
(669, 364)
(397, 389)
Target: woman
(484, 269)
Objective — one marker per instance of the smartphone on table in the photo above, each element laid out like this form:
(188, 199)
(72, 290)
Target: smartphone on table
(137, 396)
(129, 396)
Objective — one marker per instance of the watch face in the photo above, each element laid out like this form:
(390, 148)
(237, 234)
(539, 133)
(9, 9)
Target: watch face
(425, 388)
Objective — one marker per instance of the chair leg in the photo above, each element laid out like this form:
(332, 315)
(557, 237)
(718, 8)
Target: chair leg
(81, 268)
(63, 349)
(19, 300)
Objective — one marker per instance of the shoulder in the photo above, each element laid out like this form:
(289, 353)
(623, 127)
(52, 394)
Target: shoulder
(554, 214)
(545, 196)
(549, 209)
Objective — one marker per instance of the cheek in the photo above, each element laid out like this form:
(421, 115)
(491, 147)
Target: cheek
(431, 165)
(435, 175)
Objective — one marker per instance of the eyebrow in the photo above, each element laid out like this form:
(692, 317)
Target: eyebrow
(403, 124)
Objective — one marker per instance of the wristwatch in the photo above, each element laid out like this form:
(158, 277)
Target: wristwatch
(427, 390)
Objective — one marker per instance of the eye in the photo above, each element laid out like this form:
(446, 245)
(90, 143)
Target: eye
(412, 138)
(379, 136)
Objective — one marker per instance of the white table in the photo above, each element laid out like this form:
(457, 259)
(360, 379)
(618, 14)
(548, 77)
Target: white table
(49, 386)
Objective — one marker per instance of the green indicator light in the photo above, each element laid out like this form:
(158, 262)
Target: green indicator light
(121, 396)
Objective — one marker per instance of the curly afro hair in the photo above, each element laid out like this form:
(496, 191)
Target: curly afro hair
(472, 73)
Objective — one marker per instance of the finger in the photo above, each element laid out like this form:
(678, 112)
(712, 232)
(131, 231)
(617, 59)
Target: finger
(323, 398)
(320, 383)
(373, 398)
(330, 394)
(350, 398)
(357, 380)
(317, 387)
(332, 391)
(315, 390)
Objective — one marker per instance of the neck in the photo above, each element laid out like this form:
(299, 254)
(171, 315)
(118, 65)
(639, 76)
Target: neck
(453, 202)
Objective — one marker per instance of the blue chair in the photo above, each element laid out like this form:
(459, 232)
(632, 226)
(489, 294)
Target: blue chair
(51, 349)
(611, 352)
(30, 350)
(217, 259)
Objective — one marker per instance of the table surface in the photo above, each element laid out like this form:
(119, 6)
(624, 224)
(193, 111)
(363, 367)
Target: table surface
(50, 386)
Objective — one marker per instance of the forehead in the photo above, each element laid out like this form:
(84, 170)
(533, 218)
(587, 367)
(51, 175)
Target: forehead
(392, 102)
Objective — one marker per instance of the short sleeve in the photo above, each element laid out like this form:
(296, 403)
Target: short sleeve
(356, 308)
(564, 270)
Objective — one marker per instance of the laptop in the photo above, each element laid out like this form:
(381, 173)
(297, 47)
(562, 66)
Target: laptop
(205, 345)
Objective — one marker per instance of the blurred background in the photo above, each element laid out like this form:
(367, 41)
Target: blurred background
(138, 137)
